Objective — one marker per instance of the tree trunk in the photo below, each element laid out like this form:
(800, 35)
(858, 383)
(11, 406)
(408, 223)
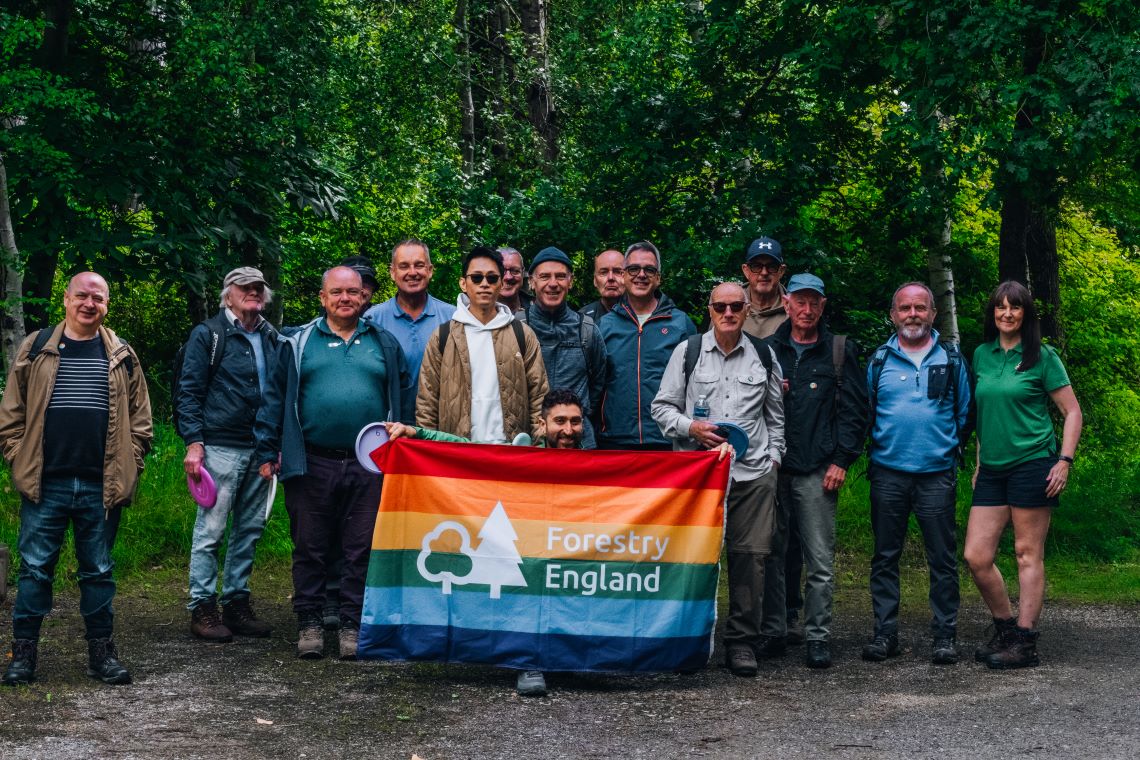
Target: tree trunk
(1028, 253)
(539, 102)
(942, 283)
(12, 322)
(466, 96)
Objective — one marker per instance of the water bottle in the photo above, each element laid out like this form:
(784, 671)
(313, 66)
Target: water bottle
(701, 410)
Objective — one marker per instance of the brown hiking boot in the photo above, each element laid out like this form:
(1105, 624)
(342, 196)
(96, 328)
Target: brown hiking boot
(238, 617)
(206, 624)
(1003, 630)
(310, 638)
(1021, 652)
(349, 637)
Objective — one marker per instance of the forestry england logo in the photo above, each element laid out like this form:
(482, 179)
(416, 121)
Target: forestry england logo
(496, 562)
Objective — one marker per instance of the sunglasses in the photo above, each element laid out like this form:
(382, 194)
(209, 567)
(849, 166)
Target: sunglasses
(477, 278)
(633, 270)
(760, 267)
(720, 307)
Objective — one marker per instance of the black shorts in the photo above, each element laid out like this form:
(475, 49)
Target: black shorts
(1020, 486)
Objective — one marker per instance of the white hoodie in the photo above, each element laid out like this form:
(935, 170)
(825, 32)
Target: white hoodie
(486, 401)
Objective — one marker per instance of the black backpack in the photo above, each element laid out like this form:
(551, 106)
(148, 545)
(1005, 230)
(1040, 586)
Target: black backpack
(44, 335)
(693, 352)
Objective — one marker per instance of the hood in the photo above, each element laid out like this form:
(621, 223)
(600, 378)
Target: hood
(503, 315)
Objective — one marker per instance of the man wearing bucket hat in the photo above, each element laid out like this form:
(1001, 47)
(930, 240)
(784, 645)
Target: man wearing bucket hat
(739, 382)
(225, 368)
(74, 427)
(825, 406)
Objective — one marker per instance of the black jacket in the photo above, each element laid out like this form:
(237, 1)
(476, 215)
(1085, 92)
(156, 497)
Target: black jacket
(221, 410)
(822, 426)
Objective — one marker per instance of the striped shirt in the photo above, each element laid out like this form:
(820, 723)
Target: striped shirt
(75, 426)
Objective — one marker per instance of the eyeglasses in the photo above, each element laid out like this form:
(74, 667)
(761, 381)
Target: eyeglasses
(633, 270)
(720, 307)
(759, 267)
(512, 271)
(419, 266)
(556, 276)
(477, 278)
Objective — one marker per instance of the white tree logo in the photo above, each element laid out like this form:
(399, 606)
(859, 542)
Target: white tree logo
(495, 562)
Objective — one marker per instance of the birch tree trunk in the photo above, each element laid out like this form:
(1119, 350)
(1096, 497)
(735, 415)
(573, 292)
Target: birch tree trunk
(942, 283)
(12, 321)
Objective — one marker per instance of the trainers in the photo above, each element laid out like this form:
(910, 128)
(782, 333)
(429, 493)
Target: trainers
(103, 663)
(531, 683)
(206, 624)
(239, 618)
(882, 646)
(310, 638)
(349, 638)
(22, 669)
(1003, 630)
(944, 651)
(817, 655)
(769, 647)
(1021, 652)
(795, 635)
(741, 661)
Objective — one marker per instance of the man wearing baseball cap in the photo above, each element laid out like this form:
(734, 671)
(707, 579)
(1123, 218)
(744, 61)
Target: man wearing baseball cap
(219, 389)
(763, 267)
(825, 408)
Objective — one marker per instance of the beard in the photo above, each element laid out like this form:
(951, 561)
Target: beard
(913, 332)
(561, 441)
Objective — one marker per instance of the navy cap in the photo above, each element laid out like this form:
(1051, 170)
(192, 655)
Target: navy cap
(805, 281)
(362, 265)
(551, 254)
(765, 246)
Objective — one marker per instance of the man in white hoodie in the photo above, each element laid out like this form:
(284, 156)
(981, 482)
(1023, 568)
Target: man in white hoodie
(482, 375)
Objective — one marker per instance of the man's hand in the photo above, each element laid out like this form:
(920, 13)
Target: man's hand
(704, 433)
(268, 470)
(192, 463)
(724, 450)
(399, 430)
(834, 477)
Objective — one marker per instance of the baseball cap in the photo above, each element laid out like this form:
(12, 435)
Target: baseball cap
(244, 276)
(362, 265)
(805, 281)
(764, 246)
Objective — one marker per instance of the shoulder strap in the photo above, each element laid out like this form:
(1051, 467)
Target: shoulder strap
(38, 343)
(838, 348)
(216, 325)
(516, 325)
(584, 320)
(444, 331)
(762, 351)
(692, 352)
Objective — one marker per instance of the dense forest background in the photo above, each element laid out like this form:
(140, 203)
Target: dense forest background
(162, 143)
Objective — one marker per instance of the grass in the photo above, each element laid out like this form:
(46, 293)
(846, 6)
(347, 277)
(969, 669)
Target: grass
(1092, 554)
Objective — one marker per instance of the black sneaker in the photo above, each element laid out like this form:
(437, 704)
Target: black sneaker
(944, 651)
(1002, 638)
(103, 663)
(817, 655)
(22, 669)
(882, 646)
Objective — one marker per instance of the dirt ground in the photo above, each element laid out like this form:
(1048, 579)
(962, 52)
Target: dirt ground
(254, 699)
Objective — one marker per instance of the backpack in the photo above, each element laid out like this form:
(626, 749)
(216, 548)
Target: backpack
(44, 335)
(954, 360)
(516, 326)
(693, 351)
(583, 337)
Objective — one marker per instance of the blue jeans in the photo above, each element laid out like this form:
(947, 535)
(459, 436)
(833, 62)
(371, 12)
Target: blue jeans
(242, 494)
(43, 526)
(930, 495)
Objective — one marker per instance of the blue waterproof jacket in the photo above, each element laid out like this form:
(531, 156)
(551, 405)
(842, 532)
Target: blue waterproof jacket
(636, 357)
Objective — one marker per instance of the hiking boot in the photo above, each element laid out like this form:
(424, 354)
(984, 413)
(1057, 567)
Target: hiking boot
(22, 669)
(1003, 630)
(310, 638)
(769, 647)
(1021, 652)
(330, 616)
(741, 661)
(349, 638)
(882, 646)
(238, 617)
(531, 683)
(795, 635)
(944, 651)
(817, 655)
(206, 624)
(103, 662)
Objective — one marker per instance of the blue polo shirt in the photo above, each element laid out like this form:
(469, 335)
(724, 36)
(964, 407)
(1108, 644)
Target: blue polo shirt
(411, 334)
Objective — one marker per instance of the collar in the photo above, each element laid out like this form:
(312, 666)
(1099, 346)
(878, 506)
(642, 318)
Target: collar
(233, 320)
(362, 326)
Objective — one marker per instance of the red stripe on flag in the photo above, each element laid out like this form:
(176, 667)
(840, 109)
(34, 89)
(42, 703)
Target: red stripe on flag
(527, 464)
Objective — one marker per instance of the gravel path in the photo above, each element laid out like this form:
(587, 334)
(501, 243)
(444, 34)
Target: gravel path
(254, 699)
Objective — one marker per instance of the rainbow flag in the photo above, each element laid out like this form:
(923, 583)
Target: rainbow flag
(545, 559)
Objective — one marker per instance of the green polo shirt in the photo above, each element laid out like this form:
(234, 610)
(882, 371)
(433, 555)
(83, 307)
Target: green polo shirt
(1014, 425)
(343, 385)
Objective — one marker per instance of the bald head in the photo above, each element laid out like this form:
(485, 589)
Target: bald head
(727, 304)
(84, 305)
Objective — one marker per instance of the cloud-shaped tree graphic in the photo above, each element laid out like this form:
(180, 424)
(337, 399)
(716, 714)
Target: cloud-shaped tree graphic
(445, 577)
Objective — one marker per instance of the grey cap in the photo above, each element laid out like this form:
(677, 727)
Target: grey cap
(805, 281)
(244, 276)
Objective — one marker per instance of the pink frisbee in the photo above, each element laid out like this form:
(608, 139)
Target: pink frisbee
(204, 492)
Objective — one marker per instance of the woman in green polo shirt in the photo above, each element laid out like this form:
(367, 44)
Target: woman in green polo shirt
(1019, 471)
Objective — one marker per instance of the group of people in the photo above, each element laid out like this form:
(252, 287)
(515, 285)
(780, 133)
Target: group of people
(629, 371)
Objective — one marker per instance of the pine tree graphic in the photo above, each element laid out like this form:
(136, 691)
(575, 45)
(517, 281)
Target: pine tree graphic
(497, 561)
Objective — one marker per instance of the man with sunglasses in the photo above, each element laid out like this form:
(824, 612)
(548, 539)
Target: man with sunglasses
(572, 347)
(742, 387)
(640, 332)
(482, 375)
(826, 414)
(763, 267)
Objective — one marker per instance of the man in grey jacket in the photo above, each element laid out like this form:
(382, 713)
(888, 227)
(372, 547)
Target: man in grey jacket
(572, 346)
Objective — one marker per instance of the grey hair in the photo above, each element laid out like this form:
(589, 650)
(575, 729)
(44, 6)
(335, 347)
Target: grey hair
(914, 284)
(644, 245)
(507, 249)
(412, 241)
(226, 291)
